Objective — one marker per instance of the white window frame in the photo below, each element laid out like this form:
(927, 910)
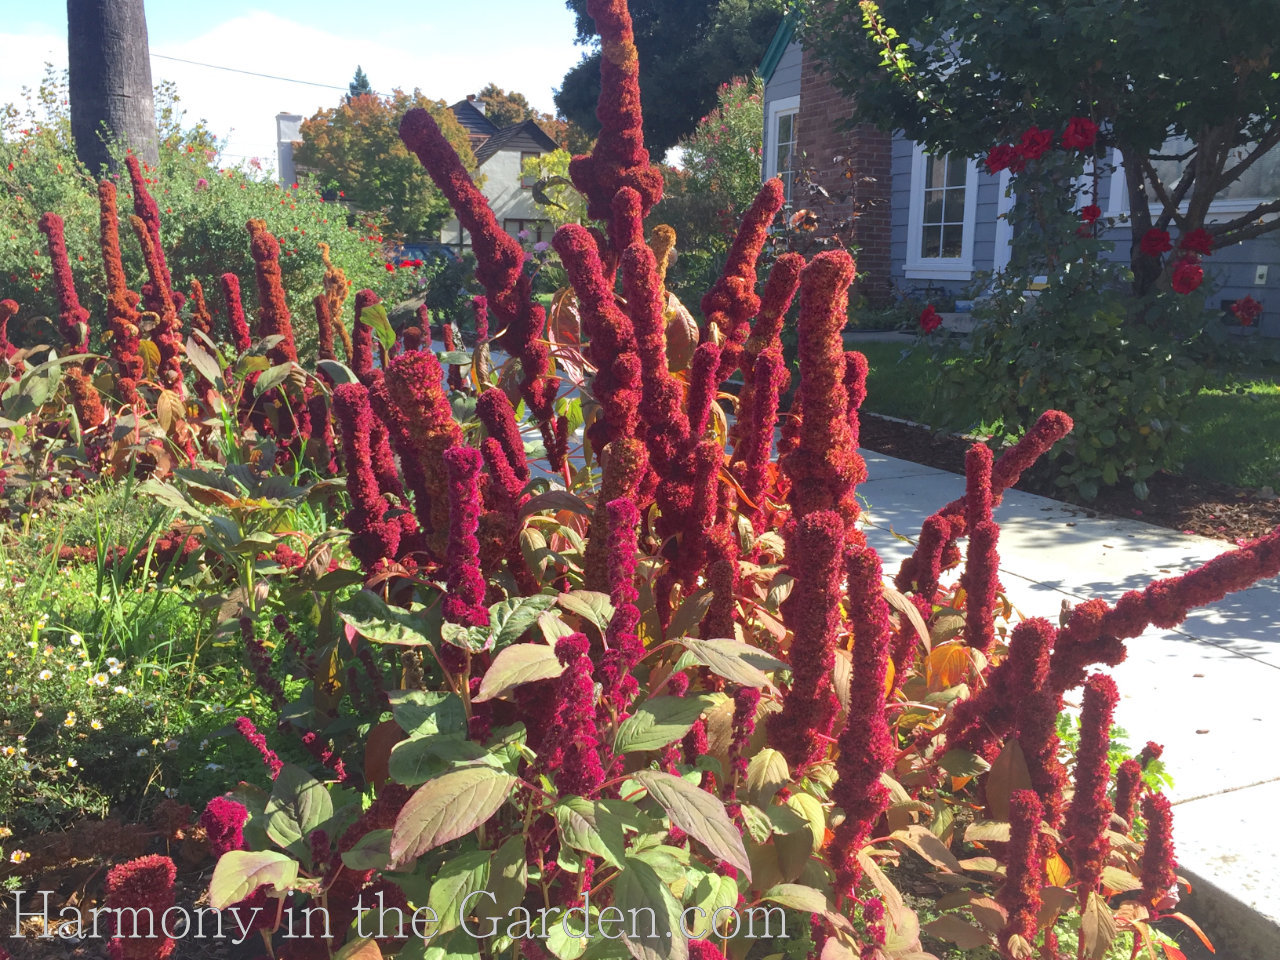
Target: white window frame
(1004, 227)
(939, 268)
(1118, 201)
(777, 108)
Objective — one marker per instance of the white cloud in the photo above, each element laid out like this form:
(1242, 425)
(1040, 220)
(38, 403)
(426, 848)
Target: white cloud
(25, 55)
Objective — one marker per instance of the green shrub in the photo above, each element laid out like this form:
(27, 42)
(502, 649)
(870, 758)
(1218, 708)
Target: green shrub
(1125, 368)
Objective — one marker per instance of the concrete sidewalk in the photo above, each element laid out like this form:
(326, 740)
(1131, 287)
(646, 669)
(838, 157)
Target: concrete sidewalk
(1209, 691)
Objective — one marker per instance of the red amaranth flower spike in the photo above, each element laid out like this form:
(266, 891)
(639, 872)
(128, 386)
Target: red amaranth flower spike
(666, 424)
(415, 386)
(755, 444)
(579, 771)
(236, 324)
(704, 382)
(143, 890)
(1024, 876)
(273, 312)
(373, 538)
(1159, 869)
(1049, 428)
(866, 744)
(1090, 809)
(122, 317)
(464, 600)
(779, 291)
(509, 291)
(201, 319)
(85, 398)
(494, 410)
(746, 700)
(480, 310)
(158, 291)
(619, 158)
(1128, 786)
(825, 468)
(612, 343)
(245, 727)
(814, 547)
(324, 329)
(731, 303)
(1096, 629)
(362, 336)
(981, 582)
(625, 465)
(73, 319)
(168, 328)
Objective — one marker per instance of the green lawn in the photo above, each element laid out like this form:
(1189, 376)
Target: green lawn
(1234, 432)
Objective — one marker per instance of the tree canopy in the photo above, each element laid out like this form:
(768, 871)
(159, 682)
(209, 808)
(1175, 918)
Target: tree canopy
(964, 75)
(687, 49)
(355, 148)
(505, 109)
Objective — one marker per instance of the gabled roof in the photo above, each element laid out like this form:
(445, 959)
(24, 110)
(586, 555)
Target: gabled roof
(521, 136)
(473, 120)
(782, 38)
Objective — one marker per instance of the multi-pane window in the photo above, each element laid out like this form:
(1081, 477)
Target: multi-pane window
(781, 153)
(785, 150)
(943, 221)
(941, 216)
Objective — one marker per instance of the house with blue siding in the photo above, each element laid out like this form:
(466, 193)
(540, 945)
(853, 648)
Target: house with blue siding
(932, 227)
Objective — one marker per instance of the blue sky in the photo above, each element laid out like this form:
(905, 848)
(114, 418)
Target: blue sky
(446, 48)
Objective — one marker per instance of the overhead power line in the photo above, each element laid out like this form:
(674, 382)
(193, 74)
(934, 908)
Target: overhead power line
(251, 73)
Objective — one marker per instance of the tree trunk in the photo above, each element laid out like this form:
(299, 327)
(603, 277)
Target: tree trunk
(1146, 270)
(110, 80)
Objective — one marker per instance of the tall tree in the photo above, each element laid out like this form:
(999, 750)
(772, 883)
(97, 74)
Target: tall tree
(110, 80)
(505, 109)
(359, 84)
(355, 148)
(1187, 92)
(687, 49)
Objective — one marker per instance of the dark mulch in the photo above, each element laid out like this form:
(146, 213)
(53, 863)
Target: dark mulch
(1189, 506)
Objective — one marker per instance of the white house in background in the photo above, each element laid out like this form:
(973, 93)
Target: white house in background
(500, 155)
(288, 132)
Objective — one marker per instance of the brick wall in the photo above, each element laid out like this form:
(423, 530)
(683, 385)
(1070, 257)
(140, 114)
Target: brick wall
(821, 138)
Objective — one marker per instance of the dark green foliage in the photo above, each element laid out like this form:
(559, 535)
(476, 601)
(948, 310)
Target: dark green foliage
(687, 49)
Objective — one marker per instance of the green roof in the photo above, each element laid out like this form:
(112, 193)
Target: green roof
(778, 45)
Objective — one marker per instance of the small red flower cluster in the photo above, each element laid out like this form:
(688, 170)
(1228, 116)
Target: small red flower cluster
(929, 319)
(1247, 311)
(1081, 134)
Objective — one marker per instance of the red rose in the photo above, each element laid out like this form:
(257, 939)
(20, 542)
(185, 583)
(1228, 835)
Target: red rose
(1247, 311)
(929, 319)
(391, 268)
(1198, 241)
(1080, 134)
(1090, 213)
(1187, 275)
(1000, 157)
(1156, 242)
(1034, 143)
